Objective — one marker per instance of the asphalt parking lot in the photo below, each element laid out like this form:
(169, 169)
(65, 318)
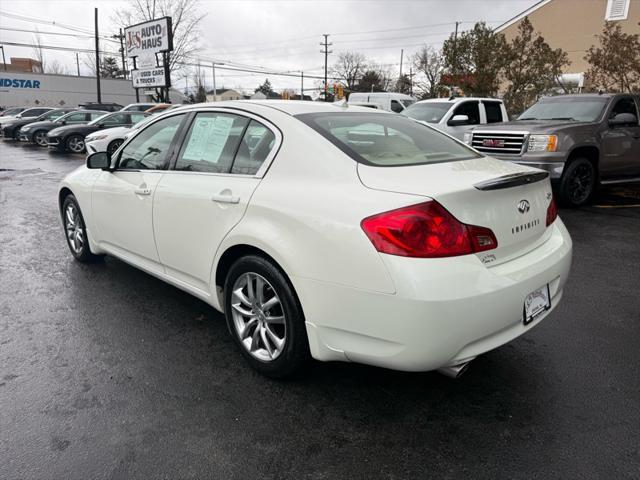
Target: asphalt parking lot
(108, 373)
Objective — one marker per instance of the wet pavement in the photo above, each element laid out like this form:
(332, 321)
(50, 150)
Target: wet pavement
(108, 373)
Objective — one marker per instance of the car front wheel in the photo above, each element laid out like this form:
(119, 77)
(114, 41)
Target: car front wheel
(265, 318)
(578, 183)
(113, 146)
(75, 144)
(40, 138)
(76, 231)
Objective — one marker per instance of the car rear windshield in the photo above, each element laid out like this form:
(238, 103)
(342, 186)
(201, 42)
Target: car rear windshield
(586, 109)
(386, 140)
(431, 112)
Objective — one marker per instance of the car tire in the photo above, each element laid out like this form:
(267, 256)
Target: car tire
(76, 231)
(16, 134)
(114, 145)
(40, 138)
(75, 144)
(273, 340)
(578, 183)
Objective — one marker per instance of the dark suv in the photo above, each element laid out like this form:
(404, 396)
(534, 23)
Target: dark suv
(581, 140)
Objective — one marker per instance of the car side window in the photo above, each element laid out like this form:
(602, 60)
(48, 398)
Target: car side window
(212, 142)
(493, 111)
(151, 148)
(396, 106)
(76, 118)
(93, 116)
(257, 142)
(624, 105)
(117, 119)
(136, 117)
(471, 110)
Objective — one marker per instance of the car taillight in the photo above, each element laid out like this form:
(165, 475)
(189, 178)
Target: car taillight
(552, 212)
(426, 230)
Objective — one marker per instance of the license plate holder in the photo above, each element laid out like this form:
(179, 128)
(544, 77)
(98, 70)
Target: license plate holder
(536, 303)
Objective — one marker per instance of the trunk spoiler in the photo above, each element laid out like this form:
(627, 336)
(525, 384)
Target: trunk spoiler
(513, 180)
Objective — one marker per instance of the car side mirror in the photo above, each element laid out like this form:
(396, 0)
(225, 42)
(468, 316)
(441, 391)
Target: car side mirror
(63, 122)
(623, 119)
(458, 120)
(100, 160)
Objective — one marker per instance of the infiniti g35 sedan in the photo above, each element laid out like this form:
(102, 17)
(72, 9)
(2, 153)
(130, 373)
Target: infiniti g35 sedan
(328, 232)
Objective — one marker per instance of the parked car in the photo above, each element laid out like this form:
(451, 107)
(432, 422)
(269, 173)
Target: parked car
(12, 129)
(36, 132)
(105, 107)
(71, 137)
(12, 111)
(340, 234)
(26, 113)
(457, 115)
(110, 139)
(138, 107)
(582, 140)
(389, 101)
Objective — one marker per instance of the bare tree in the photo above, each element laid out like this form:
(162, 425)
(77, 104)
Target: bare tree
(185, 21)
(200, 94)
(429, 62)
(37, 50)
(349, 68)
(57, 68)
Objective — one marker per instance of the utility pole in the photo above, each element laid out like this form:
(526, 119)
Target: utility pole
(213, 67)
(4, 61)
(121, 38)
(411, 74)
(401, 55)
(301, 85)
(326, 52)
(455, 55)
(78, 63)
(97, 55)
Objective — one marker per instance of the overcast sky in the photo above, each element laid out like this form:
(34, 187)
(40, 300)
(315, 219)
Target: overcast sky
(277, 35)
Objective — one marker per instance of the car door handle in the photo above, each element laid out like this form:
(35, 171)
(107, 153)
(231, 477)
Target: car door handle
(143, 191)
(225, 197)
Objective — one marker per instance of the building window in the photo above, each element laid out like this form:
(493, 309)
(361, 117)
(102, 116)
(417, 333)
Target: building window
(617, 10)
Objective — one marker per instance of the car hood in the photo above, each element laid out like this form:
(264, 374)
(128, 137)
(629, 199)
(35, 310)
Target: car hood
(115, 131)
(42, 124)
(537, 126)
(66, 129)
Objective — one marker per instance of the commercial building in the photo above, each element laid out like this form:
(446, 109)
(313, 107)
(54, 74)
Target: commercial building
(24, 65)
(223, 94)
(573, 26)
(21, 89)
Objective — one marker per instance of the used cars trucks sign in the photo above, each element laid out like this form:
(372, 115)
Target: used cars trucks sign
(148, 77)
(146, 39)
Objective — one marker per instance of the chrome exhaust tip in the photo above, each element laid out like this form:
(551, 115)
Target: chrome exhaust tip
(454, 371)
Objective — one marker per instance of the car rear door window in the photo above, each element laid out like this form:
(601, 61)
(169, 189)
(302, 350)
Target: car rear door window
(493, 111)
(257, 142)
(212, 142)
(471, 110)
(151, 148)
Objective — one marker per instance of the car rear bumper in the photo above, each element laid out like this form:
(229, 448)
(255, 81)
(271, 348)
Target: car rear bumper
(444, 312)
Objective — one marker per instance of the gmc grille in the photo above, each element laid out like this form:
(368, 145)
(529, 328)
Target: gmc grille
(499, 142)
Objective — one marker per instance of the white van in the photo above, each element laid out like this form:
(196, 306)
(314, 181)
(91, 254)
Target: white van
(391, 102)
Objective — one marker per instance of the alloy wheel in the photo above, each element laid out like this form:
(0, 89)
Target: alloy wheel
(76, 144)
(74, 228)
(113, 146)
(40, 138)
(580, 183)
(258, 317)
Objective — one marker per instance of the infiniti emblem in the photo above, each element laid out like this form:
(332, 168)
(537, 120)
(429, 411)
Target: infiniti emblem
(523, 206)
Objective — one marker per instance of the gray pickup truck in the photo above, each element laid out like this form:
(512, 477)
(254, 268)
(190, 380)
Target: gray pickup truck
(582, 140)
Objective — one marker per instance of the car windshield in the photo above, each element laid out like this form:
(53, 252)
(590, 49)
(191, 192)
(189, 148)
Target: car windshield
(386, 140)
(586, 109)
(430, 112)
(63, 117)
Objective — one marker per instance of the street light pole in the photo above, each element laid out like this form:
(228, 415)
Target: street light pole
(213, 67)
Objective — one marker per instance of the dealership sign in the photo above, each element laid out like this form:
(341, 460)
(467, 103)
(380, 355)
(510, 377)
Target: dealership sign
(146, 39)
(148, 77)
(19, 83)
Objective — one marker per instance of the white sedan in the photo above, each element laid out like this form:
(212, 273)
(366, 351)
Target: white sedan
(331, 232)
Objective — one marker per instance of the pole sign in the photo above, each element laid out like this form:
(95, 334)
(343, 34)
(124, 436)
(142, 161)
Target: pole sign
(148, 77)
(145, 39)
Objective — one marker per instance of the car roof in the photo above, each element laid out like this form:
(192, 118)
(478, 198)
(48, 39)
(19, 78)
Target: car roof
(456, 99)
(291, 107)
